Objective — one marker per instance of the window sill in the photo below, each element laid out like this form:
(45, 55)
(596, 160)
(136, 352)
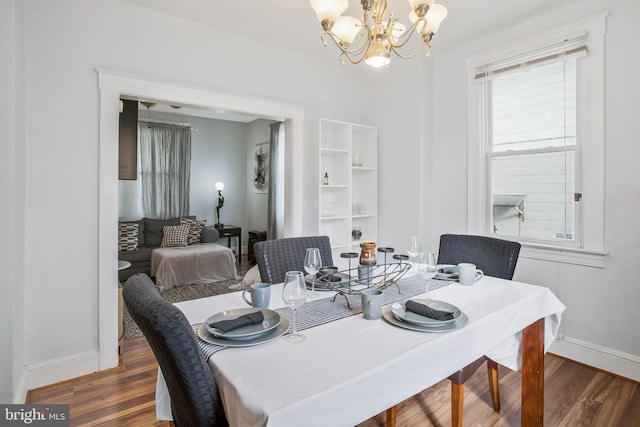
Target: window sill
(577, 256)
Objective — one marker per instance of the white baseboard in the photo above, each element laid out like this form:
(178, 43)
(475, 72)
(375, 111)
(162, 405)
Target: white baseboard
(55, 370)
(619, 363)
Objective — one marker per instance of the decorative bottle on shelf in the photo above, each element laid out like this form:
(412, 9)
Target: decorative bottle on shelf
(368, 253)
(356, 233)
(325, 179)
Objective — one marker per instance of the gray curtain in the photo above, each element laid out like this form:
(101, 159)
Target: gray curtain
(165, 163)
(275, 204)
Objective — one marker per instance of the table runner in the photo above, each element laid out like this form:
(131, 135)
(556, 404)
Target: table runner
(325, 310)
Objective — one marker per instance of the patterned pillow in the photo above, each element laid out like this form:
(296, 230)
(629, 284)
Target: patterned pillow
(196, 229)
(127, 236)
(175, 235)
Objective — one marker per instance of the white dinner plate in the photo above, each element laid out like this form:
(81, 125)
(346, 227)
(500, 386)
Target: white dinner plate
(205, 336)
(398, 309)
(271, 321)
(447, 272)
(459, 323)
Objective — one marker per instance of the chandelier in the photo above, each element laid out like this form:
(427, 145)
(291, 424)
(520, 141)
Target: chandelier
(380, 35)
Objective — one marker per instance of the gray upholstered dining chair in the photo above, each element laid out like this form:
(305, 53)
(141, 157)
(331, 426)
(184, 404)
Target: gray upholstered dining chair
(194, 395)
(497, 258)
(276, 257)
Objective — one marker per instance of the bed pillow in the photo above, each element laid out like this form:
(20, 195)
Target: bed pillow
(196, 229)
(128, 236)
(175, 235)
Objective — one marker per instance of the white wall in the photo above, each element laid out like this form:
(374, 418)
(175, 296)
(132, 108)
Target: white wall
(11, 190)
(64, 41)
(398, 109)
(600, 323)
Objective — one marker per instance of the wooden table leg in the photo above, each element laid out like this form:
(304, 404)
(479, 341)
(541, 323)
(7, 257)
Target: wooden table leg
(391, 416)
(533, 374)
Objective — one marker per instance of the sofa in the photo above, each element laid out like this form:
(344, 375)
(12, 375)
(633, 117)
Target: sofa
(138, 239)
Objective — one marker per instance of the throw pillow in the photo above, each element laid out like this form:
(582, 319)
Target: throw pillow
(128, 236)
(175, 235)
(196, 229)
(252, 276)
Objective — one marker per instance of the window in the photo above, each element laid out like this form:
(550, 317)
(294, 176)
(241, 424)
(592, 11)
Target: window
(536, 126)
(533, 149)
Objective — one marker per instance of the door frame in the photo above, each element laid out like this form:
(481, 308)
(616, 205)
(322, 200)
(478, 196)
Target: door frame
(112, 86)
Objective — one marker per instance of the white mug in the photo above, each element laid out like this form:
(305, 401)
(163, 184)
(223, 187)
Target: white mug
(468, 274)
(372, 303)
(260, 294)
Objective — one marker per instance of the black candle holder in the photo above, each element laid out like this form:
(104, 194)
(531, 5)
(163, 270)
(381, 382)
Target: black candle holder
(378, 276)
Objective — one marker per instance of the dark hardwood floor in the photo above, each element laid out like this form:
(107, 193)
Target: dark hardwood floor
(575, 395)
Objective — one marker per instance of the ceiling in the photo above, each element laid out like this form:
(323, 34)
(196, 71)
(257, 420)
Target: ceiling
(292, 24)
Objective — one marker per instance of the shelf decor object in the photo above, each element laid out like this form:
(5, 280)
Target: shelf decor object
(219, 187)
(380, 33)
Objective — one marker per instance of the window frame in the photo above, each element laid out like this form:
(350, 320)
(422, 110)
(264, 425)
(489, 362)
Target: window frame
(589, 250)
(491, 155)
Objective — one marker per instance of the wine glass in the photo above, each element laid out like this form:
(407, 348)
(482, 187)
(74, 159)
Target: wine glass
(415, 249)
(294, 294)
(312, 264)
(428, 268)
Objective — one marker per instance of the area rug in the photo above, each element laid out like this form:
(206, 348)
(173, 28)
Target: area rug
(183, 293)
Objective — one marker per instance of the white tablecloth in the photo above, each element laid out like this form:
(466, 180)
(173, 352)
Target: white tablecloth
(352, 369)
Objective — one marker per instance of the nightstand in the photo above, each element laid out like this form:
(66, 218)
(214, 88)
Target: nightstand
(229, 231)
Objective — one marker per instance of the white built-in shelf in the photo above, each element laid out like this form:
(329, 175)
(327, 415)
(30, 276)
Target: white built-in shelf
(352, 193)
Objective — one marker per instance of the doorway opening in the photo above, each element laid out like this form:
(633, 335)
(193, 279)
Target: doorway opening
(112, 87)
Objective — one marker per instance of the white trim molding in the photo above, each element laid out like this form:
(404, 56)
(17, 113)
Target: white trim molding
(53, 371)
(563, 255)
(616, 362)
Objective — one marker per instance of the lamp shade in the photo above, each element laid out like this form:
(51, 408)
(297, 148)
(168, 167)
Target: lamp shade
(397, 31)
(346, 28)
(219, 186)
(378, 55)
(435, 16)
(329, 9)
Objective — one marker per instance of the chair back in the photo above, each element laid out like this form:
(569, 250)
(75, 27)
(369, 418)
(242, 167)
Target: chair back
(194, 395)
(495, 257)
(276, 257)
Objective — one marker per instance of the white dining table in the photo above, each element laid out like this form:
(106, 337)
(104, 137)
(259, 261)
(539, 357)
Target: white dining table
(349, 370)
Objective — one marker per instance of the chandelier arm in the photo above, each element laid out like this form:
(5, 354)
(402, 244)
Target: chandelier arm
(406, 36)
(341, 45)
(324, 42)
(413, 51)
(350, 58)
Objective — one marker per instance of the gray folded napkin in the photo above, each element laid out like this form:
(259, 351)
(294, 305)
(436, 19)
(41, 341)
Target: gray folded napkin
(254, 318)
(426, 311)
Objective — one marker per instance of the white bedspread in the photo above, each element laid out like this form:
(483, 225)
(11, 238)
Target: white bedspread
(200, 263)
